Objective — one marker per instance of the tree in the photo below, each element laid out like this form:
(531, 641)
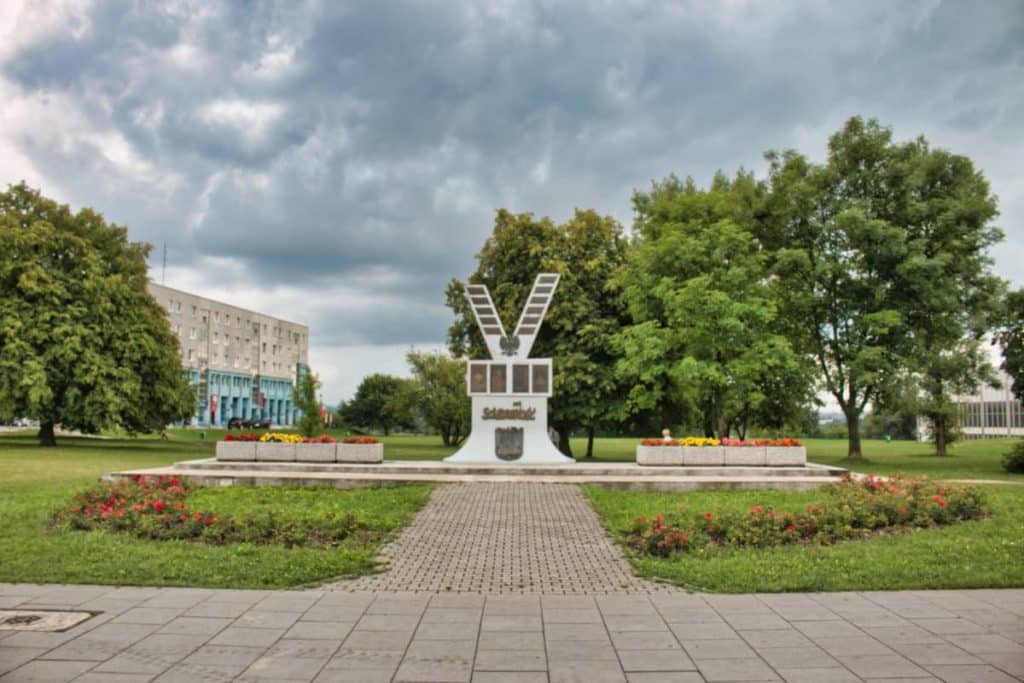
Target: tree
(381, 402)
(881, 266)
(82, 343)
(1011, 337)
(949, 295)
(441, 394)
(305, 399)
(706, 339)
(585, 314)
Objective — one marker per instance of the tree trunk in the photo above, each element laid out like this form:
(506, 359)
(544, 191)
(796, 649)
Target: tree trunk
(46, 435)
(941, 429)
(853, 434)
(590, 442)
(563, 440)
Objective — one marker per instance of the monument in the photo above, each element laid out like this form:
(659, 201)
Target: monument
(510, 392)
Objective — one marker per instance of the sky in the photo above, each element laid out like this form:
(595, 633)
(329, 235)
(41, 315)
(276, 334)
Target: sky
(337, 163)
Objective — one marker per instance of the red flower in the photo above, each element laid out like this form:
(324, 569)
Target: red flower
(707, 515)
(757, 508)
(790, 528)
(158, 506)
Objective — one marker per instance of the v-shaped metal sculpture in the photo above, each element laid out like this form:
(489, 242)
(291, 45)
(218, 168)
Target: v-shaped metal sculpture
(519, 343)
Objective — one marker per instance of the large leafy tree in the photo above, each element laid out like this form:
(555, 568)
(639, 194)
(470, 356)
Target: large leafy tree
(1011, 338)
(383, 402)
(441, 394)
(706, 342)
(585, 315)
(82, 343)
(882, 267)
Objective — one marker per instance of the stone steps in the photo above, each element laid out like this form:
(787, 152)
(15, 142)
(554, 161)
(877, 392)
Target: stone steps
(580, 469)
(610, 475)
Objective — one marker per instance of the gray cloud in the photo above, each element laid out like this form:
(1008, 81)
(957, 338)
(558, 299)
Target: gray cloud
(362, 148)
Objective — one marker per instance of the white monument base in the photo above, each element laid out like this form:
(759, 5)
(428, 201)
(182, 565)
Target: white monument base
(530, 413)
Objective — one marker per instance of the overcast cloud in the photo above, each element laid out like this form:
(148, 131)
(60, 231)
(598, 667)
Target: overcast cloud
(336, 163)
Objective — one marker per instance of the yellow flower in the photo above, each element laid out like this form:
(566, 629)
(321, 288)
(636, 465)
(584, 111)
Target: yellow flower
(698, 441)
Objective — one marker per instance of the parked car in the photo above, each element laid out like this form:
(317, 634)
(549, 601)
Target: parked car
(236, 423)
(257, 423)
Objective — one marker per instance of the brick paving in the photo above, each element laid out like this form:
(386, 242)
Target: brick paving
(172, 634)
(505, 538)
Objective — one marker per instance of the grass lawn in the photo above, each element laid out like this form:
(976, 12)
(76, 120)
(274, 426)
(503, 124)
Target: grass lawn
(982, 554)
(34, 482)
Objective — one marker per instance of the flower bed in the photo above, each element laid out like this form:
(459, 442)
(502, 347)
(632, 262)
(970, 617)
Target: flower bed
(157, 509)
(361, 449)
(700, 451)
(849, 510)
(281, 447)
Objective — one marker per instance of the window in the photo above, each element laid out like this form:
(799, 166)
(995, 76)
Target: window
(177, 307)
(190, 354)
(238, 321)
(193, 311)
(264, 347)
(192, 333)
(216, 316)
(216, 337)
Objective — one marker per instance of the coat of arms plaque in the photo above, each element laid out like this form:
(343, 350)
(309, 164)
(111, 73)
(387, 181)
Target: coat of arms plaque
(508, 443)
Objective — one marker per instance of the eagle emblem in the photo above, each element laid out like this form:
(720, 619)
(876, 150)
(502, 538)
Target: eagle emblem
(509, 344)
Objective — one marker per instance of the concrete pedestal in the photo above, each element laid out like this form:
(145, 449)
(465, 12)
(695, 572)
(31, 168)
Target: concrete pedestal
(528, 412)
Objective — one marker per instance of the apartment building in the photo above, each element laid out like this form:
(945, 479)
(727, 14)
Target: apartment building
(241, 363)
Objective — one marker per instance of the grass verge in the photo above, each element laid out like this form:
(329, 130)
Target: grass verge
(982, 554)
(34, 482)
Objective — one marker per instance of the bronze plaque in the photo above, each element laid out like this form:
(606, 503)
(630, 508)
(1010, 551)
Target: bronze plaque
(508, 443)
(521, 379)
(498, 379)
(541, 381)
(478, 378)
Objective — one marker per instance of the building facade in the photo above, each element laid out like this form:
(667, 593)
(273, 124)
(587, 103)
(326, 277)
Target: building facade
(241, 363)
(990, 413)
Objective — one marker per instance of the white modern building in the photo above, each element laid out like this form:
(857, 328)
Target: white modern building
(242, 363)
(991, 412)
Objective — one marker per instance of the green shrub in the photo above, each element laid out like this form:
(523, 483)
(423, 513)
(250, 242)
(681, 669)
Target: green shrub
(1014, 460)
(851, 509)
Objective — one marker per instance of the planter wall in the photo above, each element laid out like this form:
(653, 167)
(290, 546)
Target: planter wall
(236, 451)
(315, 452)
(776, 456)
(703, 455)
(267, 451)
(659, 455)
(360, 452)
(746, 456)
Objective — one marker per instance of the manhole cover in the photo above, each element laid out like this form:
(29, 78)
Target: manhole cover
(40, 619)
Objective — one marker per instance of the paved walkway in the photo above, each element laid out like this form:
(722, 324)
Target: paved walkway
(187, 635)
(505, 538)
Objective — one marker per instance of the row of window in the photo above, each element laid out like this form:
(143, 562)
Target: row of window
(278, 332)
(238, 340)
(994, 414)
